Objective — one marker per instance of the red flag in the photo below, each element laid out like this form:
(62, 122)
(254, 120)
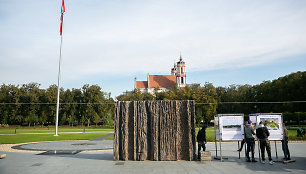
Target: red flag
(62, 16)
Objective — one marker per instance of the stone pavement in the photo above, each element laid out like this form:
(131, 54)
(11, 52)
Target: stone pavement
(93, 162)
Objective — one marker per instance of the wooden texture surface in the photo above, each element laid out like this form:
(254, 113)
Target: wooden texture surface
(205, 156)
(154, 130)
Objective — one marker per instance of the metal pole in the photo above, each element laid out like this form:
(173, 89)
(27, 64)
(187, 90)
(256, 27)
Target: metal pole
(259, 151)
(220, 137)
(245, 149)
(58, 87)
(276, 151)
(216, 147)
(239, 148)
(220, 147)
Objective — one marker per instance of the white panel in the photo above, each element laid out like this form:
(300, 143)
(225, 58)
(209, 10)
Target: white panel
(230, 127)
(274, 123)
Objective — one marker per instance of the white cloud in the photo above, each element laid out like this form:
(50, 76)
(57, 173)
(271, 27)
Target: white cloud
(116, 37)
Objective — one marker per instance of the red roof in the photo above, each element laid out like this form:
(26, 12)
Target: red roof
(141, 84)
(162, 81)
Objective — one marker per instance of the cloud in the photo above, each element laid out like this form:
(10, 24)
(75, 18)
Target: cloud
(115, 37)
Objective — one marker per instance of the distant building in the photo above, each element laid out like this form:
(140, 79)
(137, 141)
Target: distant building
(164, 82)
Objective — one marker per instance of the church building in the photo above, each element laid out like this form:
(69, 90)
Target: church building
(164, 82)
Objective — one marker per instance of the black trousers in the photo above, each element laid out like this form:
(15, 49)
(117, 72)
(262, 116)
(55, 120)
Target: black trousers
(242, 143)
(285, 149)
(250, 147)
(265, 144)
(201, 144)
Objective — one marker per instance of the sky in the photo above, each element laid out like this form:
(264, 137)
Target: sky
(110, 42)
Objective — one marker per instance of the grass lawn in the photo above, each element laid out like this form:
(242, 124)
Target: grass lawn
(292, 136)
(52, 130)
(90, 133)
(23, 138)
(28, 134)
(110, 138)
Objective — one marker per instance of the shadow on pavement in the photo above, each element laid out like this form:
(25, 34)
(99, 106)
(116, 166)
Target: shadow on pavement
(277, 166)
(93, 156)
(103, 156)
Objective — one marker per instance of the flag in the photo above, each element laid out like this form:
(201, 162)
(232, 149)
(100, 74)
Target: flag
(62, 16)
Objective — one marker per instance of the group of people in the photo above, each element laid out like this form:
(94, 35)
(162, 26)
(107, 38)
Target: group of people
(262, 133)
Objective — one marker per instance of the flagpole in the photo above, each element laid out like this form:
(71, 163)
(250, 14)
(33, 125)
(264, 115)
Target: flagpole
(58, 88)
(59, 67)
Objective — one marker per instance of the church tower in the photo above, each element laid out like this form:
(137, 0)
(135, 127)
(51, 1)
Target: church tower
(173, 70)
(181, 73)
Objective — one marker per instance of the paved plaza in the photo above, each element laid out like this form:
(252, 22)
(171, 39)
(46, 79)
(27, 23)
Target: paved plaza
(91, 158)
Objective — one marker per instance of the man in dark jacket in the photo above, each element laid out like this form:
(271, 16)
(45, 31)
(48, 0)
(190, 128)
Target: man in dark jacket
(262, 134)
(201, 139)
(249, 139)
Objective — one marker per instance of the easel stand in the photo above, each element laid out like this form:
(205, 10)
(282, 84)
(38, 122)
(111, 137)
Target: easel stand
(220, 135)
(221, 158)
(275, 150)
(259, 156)
(238, 149)
(281, 161)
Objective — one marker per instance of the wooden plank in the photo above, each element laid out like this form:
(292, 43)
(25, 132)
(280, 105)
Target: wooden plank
(288, 161)
(206, 156)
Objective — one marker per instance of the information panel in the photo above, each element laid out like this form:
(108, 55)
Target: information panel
(230, 127)
(274, 123)
(253, 119)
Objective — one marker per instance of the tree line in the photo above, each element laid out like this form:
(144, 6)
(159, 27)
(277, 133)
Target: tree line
(245, 99)
(30, 105)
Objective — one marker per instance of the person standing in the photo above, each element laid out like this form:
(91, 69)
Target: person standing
(243, 141)
(285, 143)
(201, 139)
(250, 141)
(262, 134)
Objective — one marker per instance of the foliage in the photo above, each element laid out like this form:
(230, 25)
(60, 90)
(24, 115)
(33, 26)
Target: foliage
(288, 88)
(205, 94)
(82, 106)
(29, 105)
(228, 99)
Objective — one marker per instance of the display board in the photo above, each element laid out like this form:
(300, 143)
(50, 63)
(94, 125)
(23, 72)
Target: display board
(273, 122)
(229, 126)
(253, 119)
